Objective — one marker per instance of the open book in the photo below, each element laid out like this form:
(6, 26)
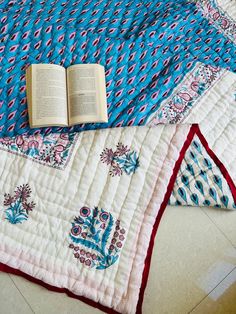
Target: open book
(63, 97)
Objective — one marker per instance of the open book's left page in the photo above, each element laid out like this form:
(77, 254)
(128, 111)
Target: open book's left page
(47, 95)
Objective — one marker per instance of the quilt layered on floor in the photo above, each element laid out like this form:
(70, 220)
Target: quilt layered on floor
(80, 207)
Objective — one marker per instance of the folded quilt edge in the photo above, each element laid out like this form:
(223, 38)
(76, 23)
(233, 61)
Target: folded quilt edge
(194, 130)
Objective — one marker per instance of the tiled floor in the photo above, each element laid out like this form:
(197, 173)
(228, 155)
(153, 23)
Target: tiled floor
(193, 271)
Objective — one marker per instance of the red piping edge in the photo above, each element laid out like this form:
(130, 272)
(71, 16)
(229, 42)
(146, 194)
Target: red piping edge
(194, 130)
(14, 271)
(169, 190)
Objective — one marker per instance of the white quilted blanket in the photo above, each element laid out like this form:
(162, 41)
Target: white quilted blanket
(84, 228)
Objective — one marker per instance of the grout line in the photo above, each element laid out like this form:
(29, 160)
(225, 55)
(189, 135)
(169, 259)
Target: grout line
(211, 291)
(219, 229)
(22, 294)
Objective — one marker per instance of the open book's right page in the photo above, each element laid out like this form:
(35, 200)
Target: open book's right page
(86, 92)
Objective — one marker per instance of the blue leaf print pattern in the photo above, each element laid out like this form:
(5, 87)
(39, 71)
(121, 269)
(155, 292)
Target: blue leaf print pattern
(218, 181)
(200, 181)
(190, 169)
(213, 193)
(207, 203)
(207, 163)
(182, 193)
(199, 186)
(203, 174)
(96, 238)
(185, 180)
(225, 200)
(197, 146)
(194, 198)
(193, 156)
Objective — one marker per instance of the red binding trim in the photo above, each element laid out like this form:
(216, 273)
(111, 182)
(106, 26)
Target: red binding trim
(169, 190)
(194, 130)
(14, 271)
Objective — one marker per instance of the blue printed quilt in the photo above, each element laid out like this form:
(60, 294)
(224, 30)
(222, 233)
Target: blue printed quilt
(147, 49)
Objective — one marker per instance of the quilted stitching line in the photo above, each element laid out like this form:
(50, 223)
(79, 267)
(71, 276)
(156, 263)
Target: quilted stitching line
(109, 180)
(151, 195)
(93, 146)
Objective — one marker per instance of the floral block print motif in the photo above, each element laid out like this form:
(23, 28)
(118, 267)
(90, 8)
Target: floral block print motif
(96, 238)
(200, 181)
(213, 12)
(187, 94)
(52, 150)
(121, 160)
(18, 204)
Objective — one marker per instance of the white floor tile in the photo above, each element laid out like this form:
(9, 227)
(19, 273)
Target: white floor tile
(44, 301)
(11, 300)
(221, 300)
(225, 220)
(191, 256)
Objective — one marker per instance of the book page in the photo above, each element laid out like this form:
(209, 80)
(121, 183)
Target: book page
(86, 94)
(49, 95)
(29, 92)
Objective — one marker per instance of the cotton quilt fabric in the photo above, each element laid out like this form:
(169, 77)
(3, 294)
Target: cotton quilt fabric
(146, 47)
(89, 235)
(80, 210)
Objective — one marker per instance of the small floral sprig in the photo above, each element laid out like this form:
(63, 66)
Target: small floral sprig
(121, 160)
(18, 205)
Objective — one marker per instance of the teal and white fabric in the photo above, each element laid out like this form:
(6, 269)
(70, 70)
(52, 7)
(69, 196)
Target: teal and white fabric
(200, 181)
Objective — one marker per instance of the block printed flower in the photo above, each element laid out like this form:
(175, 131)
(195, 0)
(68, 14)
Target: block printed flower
(121, 160)
(104, 238)
(18, 204)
